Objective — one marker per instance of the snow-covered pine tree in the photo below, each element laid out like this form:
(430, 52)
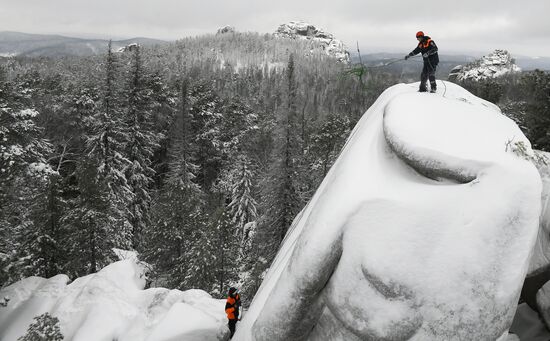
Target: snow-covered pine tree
(44, 328)
(205, 119)
(23, 174)
(177, 221)
(177, 213)
(282, 197)
(42, 241)
(204, 265)
(326, 143)
(242, 208)
(99, 213)
(537, 118)
(140, 148)
(225, 252)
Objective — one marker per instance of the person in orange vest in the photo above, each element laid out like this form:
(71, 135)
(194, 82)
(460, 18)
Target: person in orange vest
(428, 48)
(232, 306)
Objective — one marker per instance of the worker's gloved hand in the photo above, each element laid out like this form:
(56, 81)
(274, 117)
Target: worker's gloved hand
(407, 57)
(425, 55)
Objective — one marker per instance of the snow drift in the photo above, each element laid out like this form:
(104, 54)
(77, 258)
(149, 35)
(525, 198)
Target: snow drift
(422, 229)
(112, 305)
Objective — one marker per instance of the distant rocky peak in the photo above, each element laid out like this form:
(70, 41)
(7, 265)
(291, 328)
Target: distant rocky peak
(302, 30)
(129, 48)
(493, 65)
(226, 29)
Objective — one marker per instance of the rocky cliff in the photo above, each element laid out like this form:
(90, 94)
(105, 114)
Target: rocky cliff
(324, 40)
(494, 65)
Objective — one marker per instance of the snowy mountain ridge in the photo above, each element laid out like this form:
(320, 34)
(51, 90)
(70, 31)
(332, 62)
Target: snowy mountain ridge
(37, 45)
(302, 30)
(493, 65)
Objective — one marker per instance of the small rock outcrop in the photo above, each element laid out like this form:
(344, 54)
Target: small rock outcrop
(226, 29)
(129, 48)
(494, 65)
(302, 30)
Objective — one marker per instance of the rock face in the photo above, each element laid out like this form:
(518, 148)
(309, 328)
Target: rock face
(226, 29)
(541, 253)
(536, 289)
(301, 30)
(494, 65)
(422, 229)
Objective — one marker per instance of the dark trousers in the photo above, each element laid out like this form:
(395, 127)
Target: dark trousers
(231, 324)
(428, 72)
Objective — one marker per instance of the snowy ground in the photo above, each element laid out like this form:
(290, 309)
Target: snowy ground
(112, 305)
(422, 229)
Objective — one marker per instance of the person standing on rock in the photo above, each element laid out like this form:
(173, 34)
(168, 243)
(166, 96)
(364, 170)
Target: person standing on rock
(428, 48)
(232, 306)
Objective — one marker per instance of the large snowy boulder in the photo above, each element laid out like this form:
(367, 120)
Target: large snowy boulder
(422, 230)
(112, 305)
(496, 64)
(304, 31)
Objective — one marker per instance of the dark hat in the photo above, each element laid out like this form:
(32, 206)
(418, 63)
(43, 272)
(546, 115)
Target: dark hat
(232, 290)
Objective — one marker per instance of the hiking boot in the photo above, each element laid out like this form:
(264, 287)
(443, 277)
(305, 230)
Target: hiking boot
(422, 90)
(433, 90)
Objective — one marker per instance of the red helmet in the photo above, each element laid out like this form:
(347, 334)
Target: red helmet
(419, 34)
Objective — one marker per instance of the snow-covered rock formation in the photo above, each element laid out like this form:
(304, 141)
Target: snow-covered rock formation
(494, 65)
(128, 48)
(112, 305)
(422, 229)
(301, 30)
(226, 29)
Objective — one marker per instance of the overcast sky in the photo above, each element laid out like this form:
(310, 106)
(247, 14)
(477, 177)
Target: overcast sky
(520, 26)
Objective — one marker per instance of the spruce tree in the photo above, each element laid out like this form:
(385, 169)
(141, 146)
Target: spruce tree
(204, 265)
(140, 148)
(23, 174)
(327, 141)
(177, 217)
(43, 240)
(44, 328)
(100, 212)
(242, 208)
(281, 194)
(537, 118)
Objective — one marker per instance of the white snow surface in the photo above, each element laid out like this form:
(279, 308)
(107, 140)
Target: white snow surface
(112, 305)
(422, 230)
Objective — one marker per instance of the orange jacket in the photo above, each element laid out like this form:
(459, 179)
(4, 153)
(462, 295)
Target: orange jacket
(232, 307)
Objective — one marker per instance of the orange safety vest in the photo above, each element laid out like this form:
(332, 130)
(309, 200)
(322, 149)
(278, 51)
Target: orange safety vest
(425, 44)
